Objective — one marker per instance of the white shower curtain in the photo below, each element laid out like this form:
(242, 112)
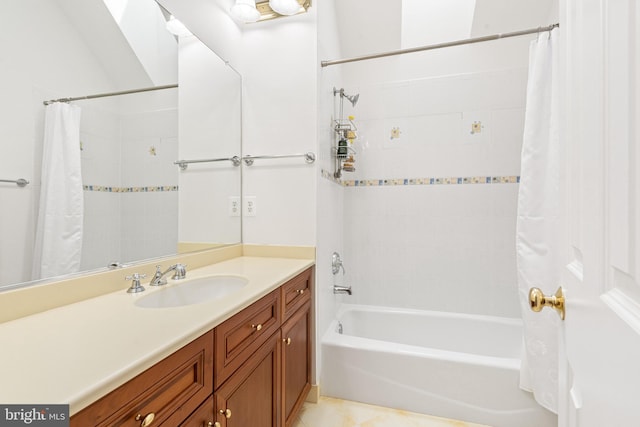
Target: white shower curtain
(538, 220)
(58, 243)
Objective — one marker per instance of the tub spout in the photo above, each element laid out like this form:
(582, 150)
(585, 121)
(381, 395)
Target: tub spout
(341, 289)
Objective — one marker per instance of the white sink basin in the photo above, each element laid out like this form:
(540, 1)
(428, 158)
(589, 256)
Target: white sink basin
(192, 291)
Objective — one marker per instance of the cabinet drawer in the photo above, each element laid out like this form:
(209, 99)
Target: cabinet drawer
(170, 390)
(296, 292)
(241, 335)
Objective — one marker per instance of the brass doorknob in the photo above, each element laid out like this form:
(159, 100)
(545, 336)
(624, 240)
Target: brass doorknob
(538, 300)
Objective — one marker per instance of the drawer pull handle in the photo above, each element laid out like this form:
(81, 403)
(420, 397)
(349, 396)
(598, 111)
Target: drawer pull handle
(226, 413)
(287, 341)
(300, 291)
(146, 420)
(257, 327)
(211, 424)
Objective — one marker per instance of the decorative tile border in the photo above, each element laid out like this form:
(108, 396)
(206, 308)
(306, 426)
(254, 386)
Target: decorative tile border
(512, 179)
(107, 189)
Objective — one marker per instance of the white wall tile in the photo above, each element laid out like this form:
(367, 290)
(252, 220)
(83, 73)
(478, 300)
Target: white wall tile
(439, 247)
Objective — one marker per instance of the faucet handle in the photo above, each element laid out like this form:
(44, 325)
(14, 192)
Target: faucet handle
(135, 283)
(180, 271)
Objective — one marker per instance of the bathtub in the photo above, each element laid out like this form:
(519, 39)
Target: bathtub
(451, 365)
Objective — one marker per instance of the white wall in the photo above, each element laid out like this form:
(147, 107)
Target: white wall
(427, 22)
(330, 197)
(279, 70)
(149, 214)
(46, 55)
(210, 127)
(100, 136)
(33, 69)
(131, 203)
(278, 62)
(447, 247)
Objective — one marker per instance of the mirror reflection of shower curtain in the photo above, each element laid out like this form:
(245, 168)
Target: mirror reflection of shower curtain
(58, 243)
(538, 228)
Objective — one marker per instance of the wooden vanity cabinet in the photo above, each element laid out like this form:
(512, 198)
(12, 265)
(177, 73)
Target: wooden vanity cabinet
(166, 393)
(271, 384)
(252, 370)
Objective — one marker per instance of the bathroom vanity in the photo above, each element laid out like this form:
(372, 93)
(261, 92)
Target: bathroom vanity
(242, 360)
(254, 369)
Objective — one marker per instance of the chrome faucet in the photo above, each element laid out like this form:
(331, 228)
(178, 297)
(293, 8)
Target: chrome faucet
(341, 289)
(158, 278)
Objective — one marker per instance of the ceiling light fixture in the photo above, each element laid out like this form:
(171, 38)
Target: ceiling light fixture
(248, 11)
(245, 11)
(285, 7)
(177, 28)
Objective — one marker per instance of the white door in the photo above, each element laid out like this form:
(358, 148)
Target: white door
(600, 337)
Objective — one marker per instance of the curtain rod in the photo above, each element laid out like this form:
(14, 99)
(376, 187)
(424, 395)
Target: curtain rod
(103, 95)
(440, 45)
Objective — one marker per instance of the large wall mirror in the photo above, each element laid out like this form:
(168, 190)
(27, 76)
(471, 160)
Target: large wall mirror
(138, 204)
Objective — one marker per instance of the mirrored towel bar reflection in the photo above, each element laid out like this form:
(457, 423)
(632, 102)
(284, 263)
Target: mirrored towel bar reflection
(309, 157)
(185, 163)
(19, 182)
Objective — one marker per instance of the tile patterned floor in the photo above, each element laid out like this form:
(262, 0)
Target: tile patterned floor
(329, 412)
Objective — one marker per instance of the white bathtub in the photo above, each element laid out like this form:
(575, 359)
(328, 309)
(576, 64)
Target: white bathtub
(450, 365)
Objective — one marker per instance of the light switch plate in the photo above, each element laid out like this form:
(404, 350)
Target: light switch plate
(234, 206)
(249, 206)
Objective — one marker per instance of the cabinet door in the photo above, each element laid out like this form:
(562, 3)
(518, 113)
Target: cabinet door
(250, 397)
(202, 417)
(296, 362)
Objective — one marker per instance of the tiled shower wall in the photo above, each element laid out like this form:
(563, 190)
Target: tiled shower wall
(131, 183)
(430, 211)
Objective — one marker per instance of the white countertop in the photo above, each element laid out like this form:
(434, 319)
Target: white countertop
(77, 353)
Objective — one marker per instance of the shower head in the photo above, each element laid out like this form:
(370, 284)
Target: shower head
(353, 99)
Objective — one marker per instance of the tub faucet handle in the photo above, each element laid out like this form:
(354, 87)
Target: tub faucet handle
(336, 263)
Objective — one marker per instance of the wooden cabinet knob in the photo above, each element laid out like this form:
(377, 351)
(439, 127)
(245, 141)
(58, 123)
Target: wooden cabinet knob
(146, 420)
(226, 413)
(257, 327)
(300, 291)
(287, 340)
